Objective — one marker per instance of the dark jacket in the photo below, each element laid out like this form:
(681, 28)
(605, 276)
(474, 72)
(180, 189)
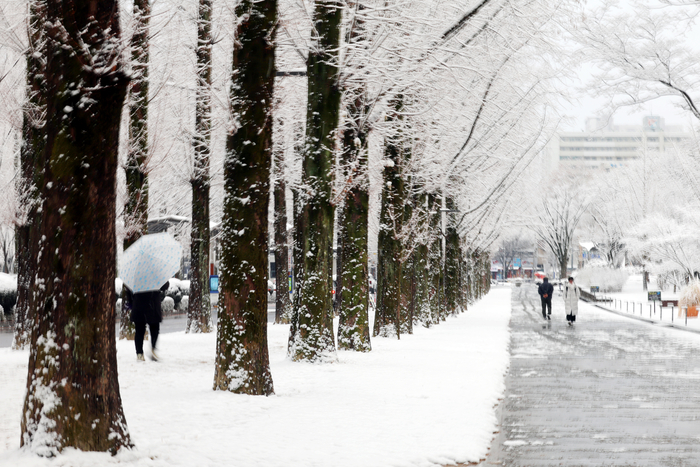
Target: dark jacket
(545, 288)
(145, 306)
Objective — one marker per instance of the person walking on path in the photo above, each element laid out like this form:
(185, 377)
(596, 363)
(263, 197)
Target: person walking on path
(571, 296)
(145, 309)
(546, 290)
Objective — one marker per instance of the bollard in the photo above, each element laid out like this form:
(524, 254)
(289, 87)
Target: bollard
(673, 311)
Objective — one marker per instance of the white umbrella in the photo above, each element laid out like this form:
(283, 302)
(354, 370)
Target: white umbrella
(150, 262)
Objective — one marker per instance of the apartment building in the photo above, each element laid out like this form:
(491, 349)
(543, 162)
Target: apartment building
(605, 147)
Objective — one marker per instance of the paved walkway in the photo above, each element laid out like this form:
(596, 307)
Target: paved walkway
(608, 392)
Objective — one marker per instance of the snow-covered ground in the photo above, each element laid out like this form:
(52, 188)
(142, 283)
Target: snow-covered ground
(427, 399)
(633, 299)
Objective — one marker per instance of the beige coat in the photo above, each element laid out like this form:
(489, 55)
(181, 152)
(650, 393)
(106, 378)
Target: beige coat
(571, 296)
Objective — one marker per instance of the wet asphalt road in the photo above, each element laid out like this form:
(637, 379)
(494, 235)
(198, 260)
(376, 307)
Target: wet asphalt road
(608, 392)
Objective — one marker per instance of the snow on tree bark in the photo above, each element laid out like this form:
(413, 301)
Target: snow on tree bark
(242, 360)
(311, 334)
(199, 308)
(73, 397)
(30, 178)
(435, 268)
(353, 270)
(135, 170)
(452, 259)
(282, 301)
(392, 296)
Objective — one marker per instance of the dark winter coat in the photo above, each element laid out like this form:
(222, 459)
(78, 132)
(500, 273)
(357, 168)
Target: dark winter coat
(545, 288)
(145, 306)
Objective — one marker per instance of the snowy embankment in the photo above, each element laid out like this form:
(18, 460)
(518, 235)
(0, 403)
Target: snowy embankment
(634, 300)
(427, 399)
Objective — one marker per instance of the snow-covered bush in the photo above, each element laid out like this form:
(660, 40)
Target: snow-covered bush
(168, 305)
(607, 278)
(690, 294)
(184, 304)
(8, 292)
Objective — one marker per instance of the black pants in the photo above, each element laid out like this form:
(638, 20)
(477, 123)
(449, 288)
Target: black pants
(546, 303)
(141, 331)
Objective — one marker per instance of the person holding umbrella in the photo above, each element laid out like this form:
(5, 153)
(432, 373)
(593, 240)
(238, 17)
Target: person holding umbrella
(146, 267)
(145, 309)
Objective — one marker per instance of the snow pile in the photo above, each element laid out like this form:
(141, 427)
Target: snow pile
(425, 400)
(607, 278)
(8, 283)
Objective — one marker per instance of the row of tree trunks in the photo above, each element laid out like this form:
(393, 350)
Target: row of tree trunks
(199, 309)
(73, 397)
(242, 360)
(311, 333)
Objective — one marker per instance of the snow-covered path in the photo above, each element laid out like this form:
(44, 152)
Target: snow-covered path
(424, 400)
(610, 391)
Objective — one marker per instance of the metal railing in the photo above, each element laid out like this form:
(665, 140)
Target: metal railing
(638, 308)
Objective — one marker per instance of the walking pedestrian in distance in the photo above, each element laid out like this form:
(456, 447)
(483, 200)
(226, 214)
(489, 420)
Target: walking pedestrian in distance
(571, 296)
(145, 309)
(546, 290)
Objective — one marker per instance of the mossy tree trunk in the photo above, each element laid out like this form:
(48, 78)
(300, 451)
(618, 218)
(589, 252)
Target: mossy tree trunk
(282, 301)
(392, 301)
(311, 336)
(199, 307)
(435, 266)
(136, 208)
(353, 272)
(421, 278)
(242, 359)
(73, 397)
(452, 259)
(30, 177)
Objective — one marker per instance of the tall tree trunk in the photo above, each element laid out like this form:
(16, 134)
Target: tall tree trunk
(30, 177)
(282, 301)
(391, 299)
(563, 267)
(452, 259)
(242, 360)
(353, 296)
(136, 208)
(199, 308)
(73, 397)
(435, 267)
(312, 338)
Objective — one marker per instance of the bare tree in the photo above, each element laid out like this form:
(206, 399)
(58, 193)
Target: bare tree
(642, 52)
(558, 216)
(509, 249)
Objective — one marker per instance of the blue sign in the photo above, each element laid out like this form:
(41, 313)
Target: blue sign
(516, 263)
(213, 284)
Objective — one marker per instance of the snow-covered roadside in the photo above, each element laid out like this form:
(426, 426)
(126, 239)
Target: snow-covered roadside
(427, 399)
(633, 300)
